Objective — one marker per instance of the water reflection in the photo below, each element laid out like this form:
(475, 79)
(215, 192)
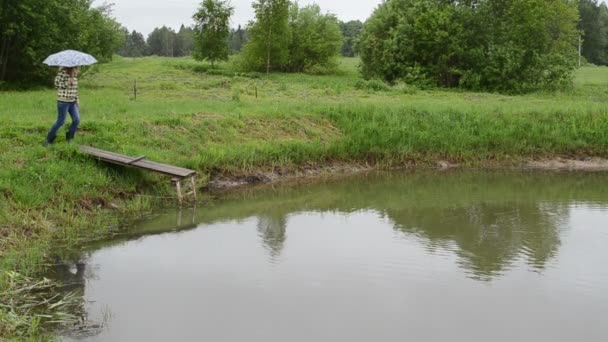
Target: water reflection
(488, 237)
(272, 229)
(72, 275)
(489, 219)
(405, 247)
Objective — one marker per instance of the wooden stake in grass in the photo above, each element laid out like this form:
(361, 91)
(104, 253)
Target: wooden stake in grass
(135, 90)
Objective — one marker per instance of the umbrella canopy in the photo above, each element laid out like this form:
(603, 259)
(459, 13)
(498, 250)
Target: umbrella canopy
(69, 58)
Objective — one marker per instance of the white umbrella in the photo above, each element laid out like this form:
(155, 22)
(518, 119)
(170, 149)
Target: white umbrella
(69, 58)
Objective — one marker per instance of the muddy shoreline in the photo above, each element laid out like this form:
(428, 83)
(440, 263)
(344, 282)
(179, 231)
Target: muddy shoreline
(220, 182)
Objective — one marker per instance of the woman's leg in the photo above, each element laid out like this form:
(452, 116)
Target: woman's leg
(75, 115)
(62, 109)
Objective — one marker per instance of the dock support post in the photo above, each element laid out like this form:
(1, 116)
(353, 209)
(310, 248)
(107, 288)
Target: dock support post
(178, 186)
(182, 193)
(193, 183)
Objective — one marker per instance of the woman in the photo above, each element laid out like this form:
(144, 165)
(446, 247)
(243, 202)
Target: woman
(66, 83)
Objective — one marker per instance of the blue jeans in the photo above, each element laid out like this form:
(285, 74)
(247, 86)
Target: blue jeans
(63, 108)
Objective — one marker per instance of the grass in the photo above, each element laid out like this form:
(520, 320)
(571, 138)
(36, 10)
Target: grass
(216, 120)
(27, 302)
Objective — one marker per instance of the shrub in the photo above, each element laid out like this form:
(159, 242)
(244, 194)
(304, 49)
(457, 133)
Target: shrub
(309, 41)
(507, 46)
(371, 85)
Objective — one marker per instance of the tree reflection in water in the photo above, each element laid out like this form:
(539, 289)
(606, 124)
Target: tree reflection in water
(272, 230)
(488, 237)
(488, 219)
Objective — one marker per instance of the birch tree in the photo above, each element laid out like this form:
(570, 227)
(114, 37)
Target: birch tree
(270, 35)
(211, 30)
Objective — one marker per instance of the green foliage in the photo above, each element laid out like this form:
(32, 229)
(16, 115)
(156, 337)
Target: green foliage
(594, 24)
(316, 40)
(268, 48)
(30, 30)
(102, 34)
(162, 42)
(184, 41)
(238, 38)
(507, 46)
(351, 31)
(371, 85)
(310, 41)
(135, 45)
(212, 29)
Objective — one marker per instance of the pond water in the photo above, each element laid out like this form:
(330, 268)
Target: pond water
(411, 256)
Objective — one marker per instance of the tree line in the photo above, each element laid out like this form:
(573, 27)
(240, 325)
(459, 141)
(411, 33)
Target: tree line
(282, 37)
(164, 41)
(594, 26)
(507, 45)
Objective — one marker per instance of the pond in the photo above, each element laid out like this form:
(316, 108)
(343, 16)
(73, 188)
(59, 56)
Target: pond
(406, 256)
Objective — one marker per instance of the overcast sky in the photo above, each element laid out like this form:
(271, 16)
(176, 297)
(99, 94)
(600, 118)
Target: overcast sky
(144, 15)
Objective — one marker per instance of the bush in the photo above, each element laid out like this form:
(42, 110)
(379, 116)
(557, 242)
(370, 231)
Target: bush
(316, 40)
(371, 85)
(405, 88)
(200, 69)
(507, 46)
(309, 42)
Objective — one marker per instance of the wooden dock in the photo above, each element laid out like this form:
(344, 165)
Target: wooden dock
(178, 174)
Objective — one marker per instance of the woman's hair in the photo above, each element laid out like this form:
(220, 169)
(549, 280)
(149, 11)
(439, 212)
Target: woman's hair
(70, 70)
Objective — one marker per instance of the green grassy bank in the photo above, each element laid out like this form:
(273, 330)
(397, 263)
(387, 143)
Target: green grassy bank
(220, 121)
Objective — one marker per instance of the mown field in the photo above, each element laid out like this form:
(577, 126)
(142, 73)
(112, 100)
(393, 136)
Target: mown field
(216, 120)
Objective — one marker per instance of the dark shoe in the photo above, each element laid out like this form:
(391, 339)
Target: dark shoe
(69, 136)
(48, 141)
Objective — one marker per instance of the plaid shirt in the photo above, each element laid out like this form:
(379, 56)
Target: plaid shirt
(66, 92)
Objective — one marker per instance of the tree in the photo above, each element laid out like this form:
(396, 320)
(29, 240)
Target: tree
(211, 30)
(162, 42)
(289, 38)
(238, 38)
(101, 35)
(351, 31)
(316, 39)
(184, 42)
(135, 45)
(270, 35)
(411, 40)
(594, 24)
(508, 45)
(30, 30)
(537, 51)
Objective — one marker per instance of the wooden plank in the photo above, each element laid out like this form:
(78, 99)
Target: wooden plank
(136, 159)
(164, 168)
(140, 162)
(105, 154)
